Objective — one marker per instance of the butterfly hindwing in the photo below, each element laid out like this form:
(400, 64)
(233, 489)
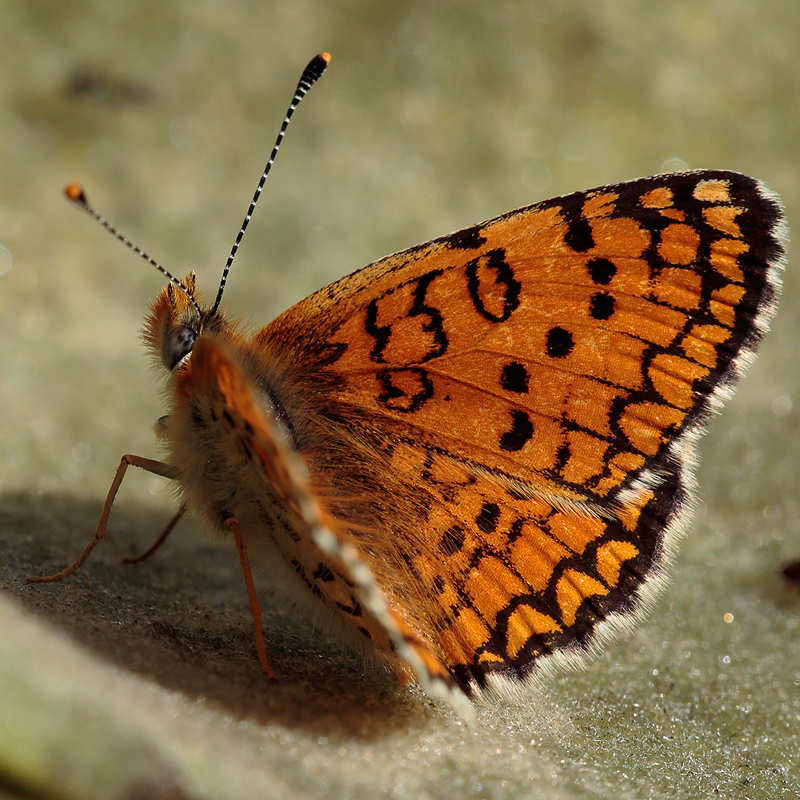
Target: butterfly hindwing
(300, 545)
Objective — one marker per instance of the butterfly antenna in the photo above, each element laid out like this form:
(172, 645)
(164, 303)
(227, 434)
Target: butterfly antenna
(76, 195)
(311, 74)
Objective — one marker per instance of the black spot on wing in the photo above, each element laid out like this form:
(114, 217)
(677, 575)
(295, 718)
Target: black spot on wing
(559, 343)
(494, 290)
(601, 270)
(468, 239)
(488, 517)
(452, 540)
(579, 235)
(602, 306)
(520, 434)
(514, 378)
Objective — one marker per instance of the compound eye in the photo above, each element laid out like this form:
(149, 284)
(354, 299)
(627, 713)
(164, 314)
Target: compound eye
(177, 344)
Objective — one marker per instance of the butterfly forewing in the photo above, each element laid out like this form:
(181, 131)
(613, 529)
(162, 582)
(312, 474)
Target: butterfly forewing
(511, 409)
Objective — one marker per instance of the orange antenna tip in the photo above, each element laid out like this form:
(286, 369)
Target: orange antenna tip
(313, 72)
(74, 192)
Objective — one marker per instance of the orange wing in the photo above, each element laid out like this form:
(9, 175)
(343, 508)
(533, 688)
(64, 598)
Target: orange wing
(504, 417)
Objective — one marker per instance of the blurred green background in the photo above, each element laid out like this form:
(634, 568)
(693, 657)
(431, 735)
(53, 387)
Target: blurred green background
(142, 682)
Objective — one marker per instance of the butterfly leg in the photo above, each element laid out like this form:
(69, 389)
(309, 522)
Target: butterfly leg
(158, 542)
(232, 525)
(147, 464)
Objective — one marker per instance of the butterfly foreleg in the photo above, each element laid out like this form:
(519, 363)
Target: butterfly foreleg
(147, 464)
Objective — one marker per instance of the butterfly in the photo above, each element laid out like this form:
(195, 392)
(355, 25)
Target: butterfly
(473, 459)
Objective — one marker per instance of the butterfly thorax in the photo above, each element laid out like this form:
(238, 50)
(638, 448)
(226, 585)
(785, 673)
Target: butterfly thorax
(220, 477)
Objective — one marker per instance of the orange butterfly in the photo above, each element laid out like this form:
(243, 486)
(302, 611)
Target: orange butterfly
(474, 458)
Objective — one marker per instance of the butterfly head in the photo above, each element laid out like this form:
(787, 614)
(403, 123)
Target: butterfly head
(176, 319)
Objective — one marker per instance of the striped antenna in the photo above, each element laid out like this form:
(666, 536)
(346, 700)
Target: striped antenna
(76, 195)
(310, 76)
